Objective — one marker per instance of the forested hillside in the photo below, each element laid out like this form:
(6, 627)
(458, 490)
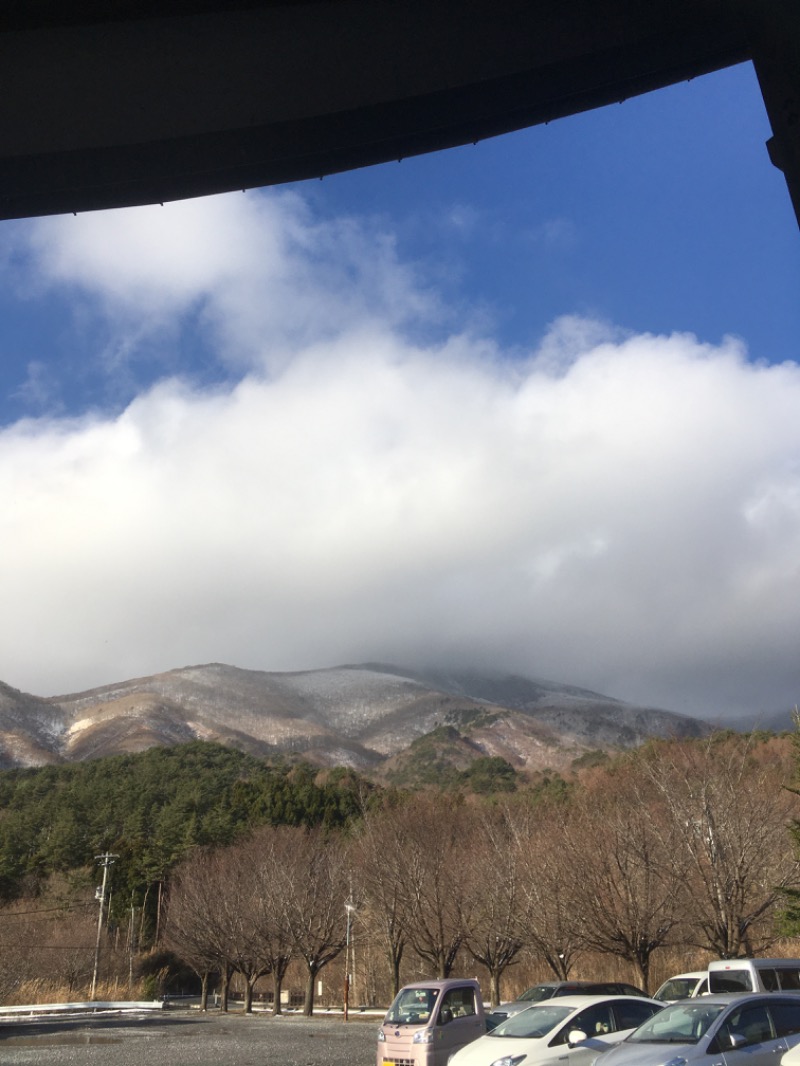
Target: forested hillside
(240, 871)
(150, 809)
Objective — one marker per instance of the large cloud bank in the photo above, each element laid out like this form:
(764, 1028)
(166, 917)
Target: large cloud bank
(615, 511)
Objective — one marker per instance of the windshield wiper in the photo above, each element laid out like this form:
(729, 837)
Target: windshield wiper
(664, 1040)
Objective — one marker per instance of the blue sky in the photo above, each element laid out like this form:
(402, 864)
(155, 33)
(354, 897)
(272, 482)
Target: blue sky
(529, 404)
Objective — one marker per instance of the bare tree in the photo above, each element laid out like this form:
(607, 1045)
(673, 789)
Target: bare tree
(627, 876)
(383, 878)
(243, 916)
(272, 850)
(435, 855)
(45, 944)
(547, 905)
(196, 928)
(66, 954)
(492, 916)
(730, 811)
(314, 888)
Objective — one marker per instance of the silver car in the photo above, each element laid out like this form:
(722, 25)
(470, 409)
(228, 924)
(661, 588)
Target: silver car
(720, 1030)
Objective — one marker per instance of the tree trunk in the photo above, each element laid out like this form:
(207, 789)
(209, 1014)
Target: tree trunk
(225, 976)
(494, 987)
(158, 911)
(144, 915)
(308, 1005)
(396, 959)
(642, 967)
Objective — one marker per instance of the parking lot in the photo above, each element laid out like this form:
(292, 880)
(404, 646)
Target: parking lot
(187, 1038)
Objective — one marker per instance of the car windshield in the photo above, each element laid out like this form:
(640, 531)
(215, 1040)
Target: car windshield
(412, 1006)
(677, 988)
(536, 994)
(533, 1022)
(682, 1023)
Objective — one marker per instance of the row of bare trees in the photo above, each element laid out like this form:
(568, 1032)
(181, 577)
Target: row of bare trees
(679, 844)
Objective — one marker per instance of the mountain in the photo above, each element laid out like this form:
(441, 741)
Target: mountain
(31, 729)
(366, 716)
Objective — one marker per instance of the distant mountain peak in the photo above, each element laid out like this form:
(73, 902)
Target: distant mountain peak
(362, 714)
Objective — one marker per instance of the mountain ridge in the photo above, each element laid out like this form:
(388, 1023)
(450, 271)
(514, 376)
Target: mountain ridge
(364, 715)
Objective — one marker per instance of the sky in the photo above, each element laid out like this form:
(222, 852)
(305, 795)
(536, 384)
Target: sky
(524, 406)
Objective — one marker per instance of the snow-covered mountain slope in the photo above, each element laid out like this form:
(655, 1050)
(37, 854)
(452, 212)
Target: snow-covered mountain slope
(359, 715)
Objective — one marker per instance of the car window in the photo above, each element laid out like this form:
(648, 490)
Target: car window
(412, 1005)
(790, 979)
(769, 979)
(785, 1017)
(750, 1022)
(533, 1022)
(680, 1023)
(677, 988)
(596, 1020)
(460, 1002)
(631, 1014)
(537, 993)
(730, 981)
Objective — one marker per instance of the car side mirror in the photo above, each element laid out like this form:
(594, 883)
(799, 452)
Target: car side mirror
(446, 1016)
(576, 1036)
(737, 1040)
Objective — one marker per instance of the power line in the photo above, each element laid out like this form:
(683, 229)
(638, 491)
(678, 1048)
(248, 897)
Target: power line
(49, 910)
(59, 947)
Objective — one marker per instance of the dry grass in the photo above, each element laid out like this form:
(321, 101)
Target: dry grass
(48, 990)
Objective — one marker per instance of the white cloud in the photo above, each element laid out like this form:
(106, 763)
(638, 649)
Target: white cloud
(263, 276)
(38, 391)
(620, 511)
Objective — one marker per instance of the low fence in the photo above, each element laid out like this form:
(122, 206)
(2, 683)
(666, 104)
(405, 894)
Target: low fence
(90, 1006)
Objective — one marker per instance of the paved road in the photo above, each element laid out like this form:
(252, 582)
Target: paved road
(188, 1039)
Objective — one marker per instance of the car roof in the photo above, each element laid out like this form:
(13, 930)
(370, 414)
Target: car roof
(696, 974)
(550, 984)
(587, 1001)
(561, 984)
(441, 983)
(726, 998)
(722, 964)
(571, 984)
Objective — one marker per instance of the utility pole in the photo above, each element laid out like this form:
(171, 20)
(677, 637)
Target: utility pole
(105, 861)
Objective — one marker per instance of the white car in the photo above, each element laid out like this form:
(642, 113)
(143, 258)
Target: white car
(569, 1030)
(683, 986)
(750, 1029)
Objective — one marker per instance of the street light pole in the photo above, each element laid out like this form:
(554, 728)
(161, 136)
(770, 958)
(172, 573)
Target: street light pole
(349, 908)
(105, 861)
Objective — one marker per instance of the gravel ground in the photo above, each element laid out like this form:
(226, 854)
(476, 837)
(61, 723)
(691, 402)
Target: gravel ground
(189, 1039)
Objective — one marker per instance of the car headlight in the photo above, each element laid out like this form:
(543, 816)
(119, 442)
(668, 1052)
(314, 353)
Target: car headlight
(508, 1060)
(381, 1036)
(424, 1036)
